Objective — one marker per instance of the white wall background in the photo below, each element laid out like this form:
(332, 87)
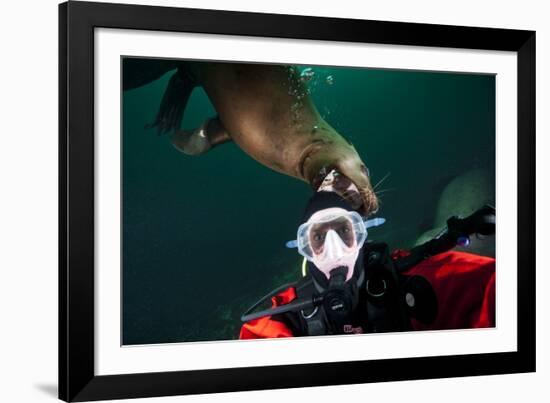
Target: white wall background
(28, 198)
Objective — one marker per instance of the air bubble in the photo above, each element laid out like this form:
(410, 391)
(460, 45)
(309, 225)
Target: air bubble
(307, 74)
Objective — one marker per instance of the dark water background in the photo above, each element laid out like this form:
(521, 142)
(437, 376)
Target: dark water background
(204, 236)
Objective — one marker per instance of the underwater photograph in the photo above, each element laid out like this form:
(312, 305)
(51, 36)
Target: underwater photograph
(269, 200)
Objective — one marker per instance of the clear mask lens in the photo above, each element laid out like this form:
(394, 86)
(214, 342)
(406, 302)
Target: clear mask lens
(336, 228)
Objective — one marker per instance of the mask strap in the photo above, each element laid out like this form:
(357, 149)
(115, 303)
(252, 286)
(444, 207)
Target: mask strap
(374, 222)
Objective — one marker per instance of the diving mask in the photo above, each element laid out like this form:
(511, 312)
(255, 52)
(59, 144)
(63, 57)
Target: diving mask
(332, 238)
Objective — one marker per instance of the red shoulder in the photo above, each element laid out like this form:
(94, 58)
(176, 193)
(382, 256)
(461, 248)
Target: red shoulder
(267, 327)
(464, 285)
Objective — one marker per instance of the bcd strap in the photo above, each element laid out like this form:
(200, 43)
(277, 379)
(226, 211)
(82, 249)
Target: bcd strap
(312, 322)
(385, 299)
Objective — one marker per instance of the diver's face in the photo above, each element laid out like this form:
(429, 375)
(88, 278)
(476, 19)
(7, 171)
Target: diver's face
(332, 238)
(341, 226)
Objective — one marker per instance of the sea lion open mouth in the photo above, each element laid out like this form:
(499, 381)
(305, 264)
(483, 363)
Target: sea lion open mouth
(325, 157)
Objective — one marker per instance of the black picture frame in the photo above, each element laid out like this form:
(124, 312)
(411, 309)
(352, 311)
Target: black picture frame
(77, 379)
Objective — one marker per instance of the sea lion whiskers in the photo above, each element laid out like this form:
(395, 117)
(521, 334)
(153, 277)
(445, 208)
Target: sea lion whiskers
(379, 192)
(381, 181)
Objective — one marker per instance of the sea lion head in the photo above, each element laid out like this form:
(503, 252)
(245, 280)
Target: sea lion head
(332, 152)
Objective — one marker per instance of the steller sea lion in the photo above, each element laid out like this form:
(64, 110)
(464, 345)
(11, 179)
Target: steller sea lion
(266, 110)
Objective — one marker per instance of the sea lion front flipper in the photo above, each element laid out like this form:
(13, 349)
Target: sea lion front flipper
(200, 140)
(174, 100)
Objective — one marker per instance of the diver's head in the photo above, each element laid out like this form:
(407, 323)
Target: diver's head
(331, 236)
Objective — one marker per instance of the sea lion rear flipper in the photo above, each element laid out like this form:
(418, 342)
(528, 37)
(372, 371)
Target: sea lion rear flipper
(174, 100)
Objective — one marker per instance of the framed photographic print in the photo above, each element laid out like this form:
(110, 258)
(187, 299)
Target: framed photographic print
(256, 201)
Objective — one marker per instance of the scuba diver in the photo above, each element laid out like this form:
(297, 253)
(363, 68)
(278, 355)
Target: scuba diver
(352, 285)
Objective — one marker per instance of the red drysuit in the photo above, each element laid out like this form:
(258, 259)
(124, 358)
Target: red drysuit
(464, 285)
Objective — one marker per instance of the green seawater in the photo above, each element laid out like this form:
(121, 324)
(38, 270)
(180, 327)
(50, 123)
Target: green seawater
(204, 237)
